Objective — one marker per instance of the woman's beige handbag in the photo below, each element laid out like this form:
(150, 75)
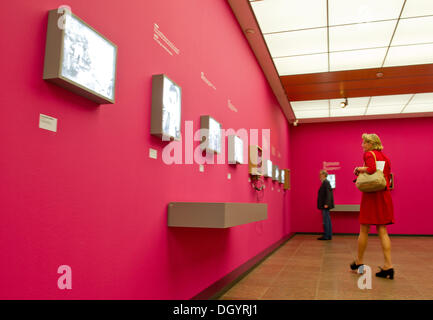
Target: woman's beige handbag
(371, 182)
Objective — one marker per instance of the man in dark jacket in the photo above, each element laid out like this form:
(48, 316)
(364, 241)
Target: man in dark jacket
(325, 202)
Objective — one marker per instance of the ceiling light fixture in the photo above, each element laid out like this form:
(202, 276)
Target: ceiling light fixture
(344, 103)
(250, 31)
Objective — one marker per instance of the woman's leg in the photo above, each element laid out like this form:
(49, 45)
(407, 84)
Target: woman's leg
(386, 245)
(362, 242)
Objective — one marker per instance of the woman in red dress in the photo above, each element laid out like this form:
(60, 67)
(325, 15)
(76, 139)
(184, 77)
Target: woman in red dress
(376, 207)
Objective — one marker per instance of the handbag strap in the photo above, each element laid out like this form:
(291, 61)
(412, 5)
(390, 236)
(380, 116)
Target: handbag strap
(373, 156)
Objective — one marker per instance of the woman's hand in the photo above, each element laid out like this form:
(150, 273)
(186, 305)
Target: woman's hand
(356, 172)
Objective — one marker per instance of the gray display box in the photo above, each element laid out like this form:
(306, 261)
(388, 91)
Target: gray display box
(79, 58)
(215, 214)
(166, 120)
(211, 137)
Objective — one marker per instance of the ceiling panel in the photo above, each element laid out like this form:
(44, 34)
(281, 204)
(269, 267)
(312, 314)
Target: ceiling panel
(416, 8)
(414, 31)
(355, 11)
(310, 114)
(421, 102)
(347, 112)
(418, 108)
(409, 55)
(384, 110)
(283, 15)
(361, 36)
(357, 59)
(391, 100)
(422, 98)
(310, 105)
(297, 42)
(377, 53)
(302, 64)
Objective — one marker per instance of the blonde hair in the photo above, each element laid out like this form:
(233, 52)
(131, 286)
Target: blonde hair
(324, 172)
(373, 139)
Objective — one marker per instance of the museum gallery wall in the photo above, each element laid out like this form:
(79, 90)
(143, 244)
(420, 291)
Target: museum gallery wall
(409, 151)
(87, 194)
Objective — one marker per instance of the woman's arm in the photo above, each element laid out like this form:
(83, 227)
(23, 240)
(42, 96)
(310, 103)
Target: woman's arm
(370, 163)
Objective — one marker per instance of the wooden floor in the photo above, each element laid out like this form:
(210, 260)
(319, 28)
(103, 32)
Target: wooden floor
(307, 269)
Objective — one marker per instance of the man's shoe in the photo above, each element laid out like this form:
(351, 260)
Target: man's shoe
(323, 238)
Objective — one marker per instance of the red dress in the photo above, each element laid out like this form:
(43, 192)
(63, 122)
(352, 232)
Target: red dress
(377, 207)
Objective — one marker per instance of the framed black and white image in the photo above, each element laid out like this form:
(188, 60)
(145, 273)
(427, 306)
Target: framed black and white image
(331, 179)
(235, 149)
(268, 168)
(275, 173)
(166, 108)
(211, 134)
(79, 58)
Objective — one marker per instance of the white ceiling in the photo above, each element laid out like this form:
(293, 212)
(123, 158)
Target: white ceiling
(310, 36)
(364, 106)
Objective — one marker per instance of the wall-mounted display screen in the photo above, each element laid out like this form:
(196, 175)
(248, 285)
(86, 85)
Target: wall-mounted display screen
(212, 137)
(236, 150)
(268, 168)
(255, 160)
(166, 108)
(282, 175)
(275, 173)
(79, 58)
(331, 179)
(286, 179)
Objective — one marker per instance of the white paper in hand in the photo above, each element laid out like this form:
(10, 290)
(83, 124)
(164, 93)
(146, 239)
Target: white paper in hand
(380, 165)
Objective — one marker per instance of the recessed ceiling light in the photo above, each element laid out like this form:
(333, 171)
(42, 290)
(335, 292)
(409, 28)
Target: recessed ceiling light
(379, 74)
(250, 31)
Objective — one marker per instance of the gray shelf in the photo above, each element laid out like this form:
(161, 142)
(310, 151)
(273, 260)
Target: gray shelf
(215, 214)
(346, 208)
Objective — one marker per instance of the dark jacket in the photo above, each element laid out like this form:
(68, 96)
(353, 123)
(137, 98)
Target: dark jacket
(325, 196)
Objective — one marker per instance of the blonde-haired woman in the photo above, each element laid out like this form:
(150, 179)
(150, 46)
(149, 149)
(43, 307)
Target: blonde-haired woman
(376, 207)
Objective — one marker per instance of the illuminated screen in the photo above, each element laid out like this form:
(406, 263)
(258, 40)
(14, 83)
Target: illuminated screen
(88, 59)
(214, 136)
(171, 109)
(282, 176)
(268, 168)
(276, 173)
(331, 179)
(239, 150)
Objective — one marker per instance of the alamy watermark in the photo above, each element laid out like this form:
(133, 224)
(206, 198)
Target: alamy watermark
(65, 280)
(364, 281)
(184, 152)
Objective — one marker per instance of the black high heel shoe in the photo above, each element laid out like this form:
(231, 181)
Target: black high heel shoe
(355, 266)
(388, 274)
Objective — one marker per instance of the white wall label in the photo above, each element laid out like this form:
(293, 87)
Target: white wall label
(229, 176)
(47, 122)
(153, 154)
(201, 168)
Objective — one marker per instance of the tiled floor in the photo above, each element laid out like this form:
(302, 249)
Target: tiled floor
(307, 269)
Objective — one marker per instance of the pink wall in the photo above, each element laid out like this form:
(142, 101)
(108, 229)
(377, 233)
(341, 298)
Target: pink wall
(408, 144)
(88, 196)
